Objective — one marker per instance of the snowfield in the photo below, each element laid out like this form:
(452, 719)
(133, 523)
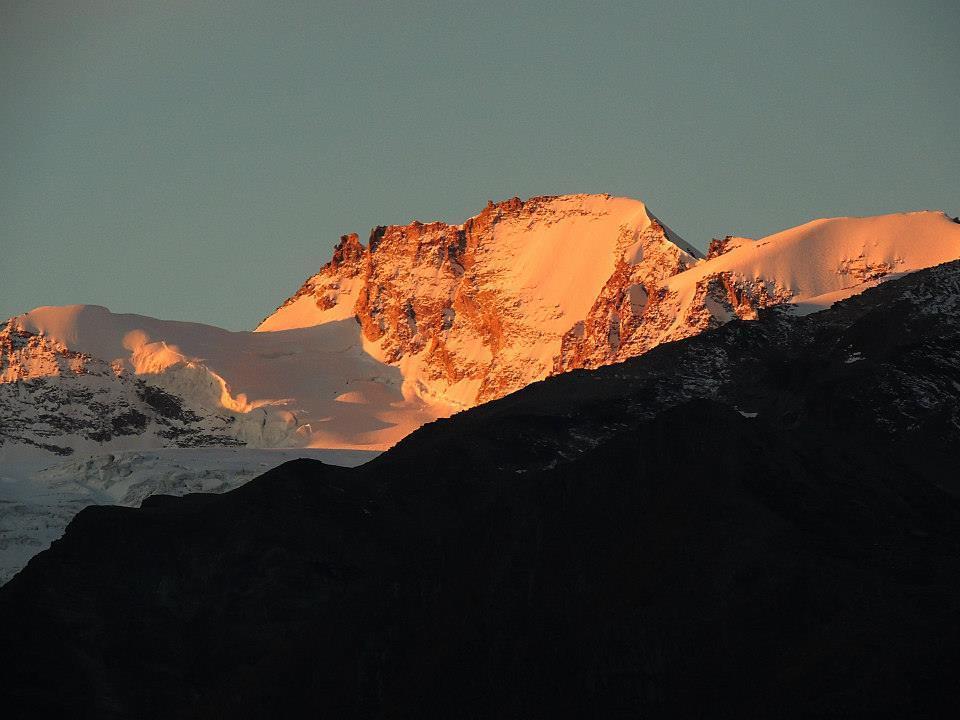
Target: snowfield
(824, 261)
(282, 388)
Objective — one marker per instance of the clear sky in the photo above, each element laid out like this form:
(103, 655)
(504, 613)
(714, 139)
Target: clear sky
(197, 160)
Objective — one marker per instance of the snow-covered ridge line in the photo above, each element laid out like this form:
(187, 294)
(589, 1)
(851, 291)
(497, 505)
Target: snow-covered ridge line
(808, 267)
(430, 318)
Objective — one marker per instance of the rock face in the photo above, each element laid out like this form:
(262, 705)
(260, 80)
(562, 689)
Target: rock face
(524, 289)
(335, 279)
(55, 399)
(762, 519)
(24, 355)
(618, 324)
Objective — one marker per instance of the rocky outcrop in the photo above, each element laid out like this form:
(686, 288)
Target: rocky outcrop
(59, 400)
(24, 355)
(326, 287)
(430, 292)
(406, 316)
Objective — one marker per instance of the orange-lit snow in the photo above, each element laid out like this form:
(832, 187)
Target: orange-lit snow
(827, 260)
(284, 386)
(309, 377)
(544, 273)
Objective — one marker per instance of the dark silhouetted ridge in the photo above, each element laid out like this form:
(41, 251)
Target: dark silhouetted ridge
(760, 521)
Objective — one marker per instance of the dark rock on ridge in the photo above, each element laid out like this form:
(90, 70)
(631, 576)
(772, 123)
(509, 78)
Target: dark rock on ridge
(761, 521)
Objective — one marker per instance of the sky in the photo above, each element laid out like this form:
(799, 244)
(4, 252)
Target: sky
(197, 160)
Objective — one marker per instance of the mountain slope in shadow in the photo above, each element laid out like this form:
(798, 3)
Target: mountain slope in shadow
(763, 520)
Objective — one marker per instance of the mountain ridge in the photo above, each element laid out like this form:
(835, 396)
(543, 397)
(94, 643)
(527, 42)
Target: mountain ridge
(760, 518)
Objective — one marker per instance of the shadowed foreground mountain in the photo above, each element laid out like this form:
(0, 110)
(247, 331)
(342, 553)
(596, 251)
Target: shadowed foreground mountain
(760, 521)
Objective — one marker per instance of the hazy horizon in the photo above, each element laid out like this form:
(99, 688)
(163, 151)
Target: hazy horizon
(198, 162)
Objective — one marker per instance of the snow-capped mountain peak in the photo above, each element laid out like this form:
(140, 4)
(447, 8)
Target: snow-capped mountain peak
(471, 312)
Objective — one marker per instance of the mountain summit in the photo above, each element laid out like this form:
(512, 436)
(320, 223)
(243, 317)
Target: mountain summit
(472, 312)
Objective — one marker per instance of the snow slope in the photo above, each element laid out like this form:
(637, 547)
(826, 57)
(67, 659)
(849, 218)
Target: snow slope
(826, 260)
(284, 389)
(807, 267)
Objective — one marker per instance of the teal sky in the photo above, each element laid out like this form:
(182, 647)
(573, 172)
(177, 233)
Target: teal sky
(197, 160)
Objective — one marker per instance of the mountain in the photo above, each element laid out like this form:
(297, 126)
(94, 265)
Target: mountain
(475, 311)
(281, 389)
(429, 319)
(760, 520)
(424, 321)
(421, 322)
